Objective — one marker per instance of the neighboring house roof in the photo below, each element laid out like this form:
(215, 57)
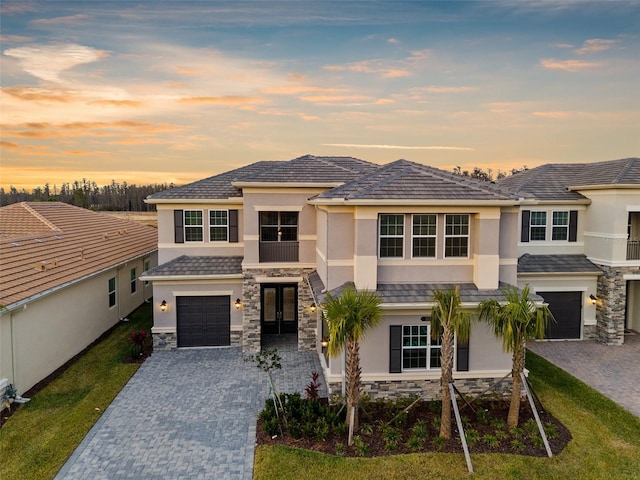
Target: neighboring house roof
(404, 180)
(198, 266)
(45, 245)
(572, 264)
(555, 181)
(309, 169)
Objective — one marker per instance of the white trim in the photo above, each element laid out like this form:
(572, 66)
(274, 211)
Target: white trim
(403, 236)
(160, 278)
(559, 289)
(442, 262)
(164, 330)
(631, 276)
(342, 263)
(264, 279)
(307, 238)
(209, 226)
(615, 263)
(184, 226)
(277, 266)
(209, 245)
(633, 208)
(197, 293)
(616, 236)
(276, 208)
(320, 254)
(467, 236)
(508, 261)
(422, 375)
(435, 237)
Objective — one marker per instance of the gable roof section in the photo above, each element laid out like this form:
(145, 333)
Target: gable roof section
(567, 264)
(404, 180)
(554, 181)
(45, 245)
(197, 266)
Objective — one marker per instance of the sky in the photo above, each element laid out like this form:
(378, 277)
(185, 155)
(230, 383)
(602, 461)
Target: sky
(160, 92)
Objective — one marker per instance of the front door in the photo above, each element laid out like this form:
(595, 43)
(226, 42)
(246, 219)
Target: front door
(279, 308)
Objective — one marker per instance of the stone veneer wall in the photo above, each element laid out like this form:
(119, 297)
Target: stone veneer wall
(612, 304)
(165, 341)
(589, 332)
(251, 328)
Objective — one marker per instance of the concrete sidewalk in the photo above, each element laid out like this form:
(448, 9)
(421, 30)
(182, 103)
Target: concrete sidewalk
(613, 370)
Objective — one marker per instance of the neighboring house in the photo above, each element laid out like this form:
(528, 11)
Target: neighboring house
(579, 245)
(67, 275)
(255, 251)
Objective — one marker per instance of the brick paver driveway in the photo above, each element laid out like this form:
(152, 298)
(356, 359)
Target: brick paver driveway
(185, 414)
(612, 370)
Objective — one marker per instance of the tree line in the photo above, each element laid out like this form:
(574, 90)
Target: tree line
(87, 194)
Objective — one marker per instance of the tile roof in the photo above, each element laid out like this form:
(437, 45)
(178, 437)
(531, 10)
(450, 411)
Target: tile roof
(556, 264)
(404, 180)
(44, 245)
(306, 169)
(197, 266)
(551, 181)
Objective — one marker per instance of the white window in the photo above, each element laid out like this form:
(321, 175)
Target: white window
(218, 225)
(134, 284)
(538, 226)
(419, 350)
(193, 226)
(560, 227)
(456, 235)
(424, 235)
(391, 236)
(147, 264)
(112, 292)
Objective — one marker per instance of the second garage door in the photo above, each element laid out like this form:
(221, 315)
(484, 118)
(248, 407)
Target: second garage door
(566, 308)
(204, 321)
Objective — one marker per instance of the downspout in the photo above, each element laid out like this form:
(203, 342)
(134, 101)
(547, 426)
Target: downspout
(14, 373)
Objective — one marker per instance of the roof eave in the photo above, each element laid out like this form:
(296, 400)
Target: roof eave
(605, 186)
(286, 184)
(411, 201)
(154, 278)
(165, 201)
(563, 274)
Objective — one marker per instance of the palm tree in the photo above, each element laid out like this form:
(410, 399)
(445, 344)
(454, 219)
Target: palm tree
(515, 322)
(348, 319)
(447, 322)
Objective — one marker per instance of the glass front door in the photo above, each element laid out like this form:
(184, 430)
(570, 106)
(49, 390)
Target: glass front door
(279, 309)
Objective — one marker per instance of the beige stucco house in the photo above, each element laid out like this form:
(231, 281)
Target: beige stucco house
(66, 276)
(254, 252)
(579, 245)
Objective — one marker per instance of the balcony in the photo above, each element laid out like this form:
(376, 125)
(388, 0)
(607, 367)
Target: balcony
(278, 251)
(633, 249)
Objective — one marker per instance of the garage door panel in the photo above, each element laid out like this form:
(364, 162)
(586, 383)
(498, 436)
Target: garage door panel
(566, 308)
(203, 321)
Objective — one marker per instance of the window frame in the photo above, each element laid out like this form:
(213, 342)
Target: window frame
(133, 284)
(448, 236)
(382, 236)
(112, 293)
(538, 225)
(555, 226)
(433, 236)
(429, 348)
(279, 226)
(219, 226)
(146, 265)
(193, 227)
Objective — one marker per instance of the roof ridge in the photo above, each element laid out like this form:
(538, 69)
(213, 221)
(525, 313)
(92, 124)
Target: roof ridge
(36, 214)
(625, 169)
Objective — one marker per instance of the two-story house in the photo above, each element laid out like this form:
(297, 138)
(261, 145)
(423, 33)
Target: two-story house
(255, 251)
(579, 245)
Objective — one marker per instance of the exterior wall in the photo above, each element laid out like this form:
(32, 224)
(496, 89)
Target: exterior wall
(633, 305)
(165, 323)
(554, 247)
(612, 304)
(168, 249)
(36, 340)
(508, 246)
(335, 246)
(307, 320)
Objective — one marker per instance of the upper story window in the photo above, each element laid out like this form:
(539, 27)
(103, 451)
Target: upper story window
(112, 292)
(538, 226)
(278, 226)
(456, 235)
(419, 350)
(560, 227)
(424, 235)
(193, 226)
(218, 225)
(391, 235)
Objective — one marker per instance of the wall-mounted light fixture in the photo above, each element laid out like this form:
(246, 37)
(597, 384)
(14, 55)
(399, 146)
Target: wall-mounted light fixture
(164, 305)
(313, 308)
(324, 343)
(593, 299)
(237, 304)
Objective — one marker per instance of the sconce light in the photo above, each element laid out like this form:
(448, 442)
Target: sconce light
(593, 298)
(164, 306)
(313, 308)
(237, 304)
(324, 343)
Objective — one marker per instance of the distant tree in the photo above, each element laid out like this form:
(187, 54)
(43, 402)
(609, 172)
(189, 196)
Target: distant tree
(487, 175)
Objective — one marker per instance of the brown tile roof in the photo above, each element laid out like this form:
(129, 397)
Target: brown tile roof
(44, 245)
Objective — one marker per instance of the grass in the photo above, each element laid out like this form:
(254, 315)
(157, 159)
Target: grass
(38, 438)
(606, 444)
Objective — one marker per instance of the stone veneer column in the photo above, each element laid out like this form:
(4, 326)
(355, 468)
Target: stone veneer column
(251, 328)
(612, 304)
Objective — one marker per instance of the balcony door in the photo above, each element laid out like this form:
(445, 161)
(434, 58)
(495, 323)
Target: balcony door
(279, 308)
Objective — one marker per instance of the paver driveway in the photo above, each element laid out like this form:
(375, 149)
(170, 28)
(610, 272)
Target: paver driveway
(613, 370)
(185, 414)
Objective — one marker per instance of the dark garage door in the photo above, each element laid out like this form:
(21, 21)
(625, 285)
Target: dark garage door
(204, 321)
(567, 311)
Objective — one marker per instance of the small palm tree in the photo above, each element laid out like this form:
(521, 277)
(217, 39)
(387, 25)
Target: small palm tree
(348, 319)
(515, 322)
(447, 322)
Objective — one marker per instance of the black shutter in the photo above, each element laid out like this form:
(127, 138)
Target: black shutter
(395, 348)
(462, 354)
(233, 226)
(178, 225)
(526, 220)
(573, 225)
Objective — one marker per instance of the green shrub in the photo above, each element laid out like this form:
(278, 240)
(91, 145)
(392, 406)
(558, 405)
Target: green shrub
(415, 443)
(340, 449)
(366, 429)
(551, 430)
(420, 430)
(531, 428)
(517, 444)
(491, 440)
(362, 448)
(483, 416)
(472, 436)
(272, 426)
(439, 442)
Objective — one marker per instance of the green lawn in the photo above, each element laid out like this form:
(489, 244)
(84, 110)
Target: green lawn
(39, 437)
(606, 444)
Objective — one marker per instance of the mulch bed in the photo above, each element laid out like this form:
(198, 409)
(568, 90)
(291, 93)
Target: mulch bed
(523, 443)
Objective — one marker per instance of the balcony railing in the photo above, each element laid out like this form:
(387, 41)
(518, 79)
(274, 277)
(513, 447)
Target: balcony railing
(633, 249)
(278, 251)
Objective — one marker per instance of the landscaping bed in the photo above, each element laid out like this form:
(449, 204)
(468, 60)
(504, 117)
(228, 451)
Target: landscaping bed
(386, 429)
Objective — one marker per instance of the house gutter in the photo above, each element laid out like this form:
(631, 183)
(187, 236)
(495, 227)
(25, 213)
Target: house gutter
(153, 278)
(421, 202)
(217, 201)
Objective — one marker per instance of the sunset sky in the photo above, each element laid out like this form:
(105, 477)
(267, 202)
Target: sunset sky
(154, 92)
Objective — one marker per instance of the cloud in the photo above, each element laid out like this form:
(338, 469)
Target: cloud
(116, 103)
(552, 114)
(398, 147)
(15, 38)
(325, 99)
(9, 145)
(445, 89)
(47, 62)
(393, 41)
(370, 66)
(568, 65)
(61, 20)
(299, 89)
(227, 100)
(32, 94)
(596, 45)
